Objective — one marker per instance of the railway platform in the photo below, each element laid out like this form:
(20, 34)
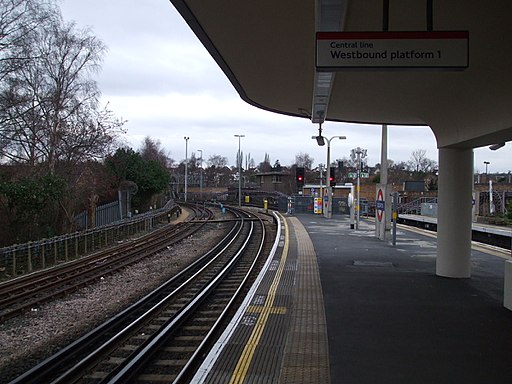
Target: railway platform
(337, 305)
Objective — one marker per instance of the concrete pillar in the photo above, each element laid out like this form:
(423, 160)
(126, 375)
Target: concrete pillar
(454, 213)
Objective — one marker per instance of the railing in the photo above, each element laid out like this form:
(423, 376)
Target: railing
(414, 207)
(105, 214)
(29, 257)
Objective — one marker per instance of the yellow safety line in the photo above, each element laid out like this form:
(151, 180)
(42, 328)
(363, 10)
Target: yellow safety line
(244, 362)
(259, 309)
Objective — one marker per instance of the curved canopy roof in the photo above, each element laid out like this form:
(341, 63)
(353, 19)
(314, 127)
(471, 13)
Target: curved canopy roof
(267, 50)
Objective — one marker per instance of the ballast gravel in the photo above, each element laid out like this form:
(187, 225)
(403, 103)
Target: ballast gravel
(30, 338)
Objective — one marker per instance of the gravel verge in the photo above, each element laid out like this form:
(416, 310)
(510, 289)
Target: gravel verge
(29, 339)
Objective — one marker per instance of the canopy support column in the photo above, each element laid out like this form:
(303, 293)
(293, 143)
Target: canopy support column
(454, 213)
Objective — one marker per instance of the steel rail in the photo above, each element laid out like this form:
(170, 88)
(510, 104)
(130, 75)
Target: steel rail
(90, 269)
(126, 371)
(46, 369)
(130, 328)
(42, 276)
(198, 354)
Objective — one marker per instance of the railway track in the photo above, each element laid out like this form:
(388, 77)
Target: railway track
(30, 291)
(162, 337)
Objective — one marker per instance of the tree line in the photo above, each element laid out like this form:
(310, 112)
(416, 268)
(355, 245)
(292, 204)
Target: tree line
(53, 131)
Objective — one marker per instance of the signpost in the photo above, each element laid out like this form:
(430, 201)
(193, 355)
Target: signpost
(318, 205)
(380, 212)
(337, 51)
(363, 175)
(380, 205)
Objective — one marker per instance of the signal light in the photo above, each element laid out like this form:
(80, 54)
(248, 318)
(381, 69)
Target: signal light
(332, 173)
(300, 176)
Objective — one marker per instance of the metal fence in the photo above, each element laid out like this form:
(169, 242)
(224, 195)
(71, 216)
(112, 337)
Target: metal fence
(19, 259)
(105, 214)
(414, 207)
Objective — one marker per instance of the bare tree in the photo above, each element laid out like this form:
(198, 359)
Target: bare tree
(50, 105)
(398, 171)
(217, 161)
(152, 150)
(419, 162)
(19, 21)
(352, 162)
(304, 160)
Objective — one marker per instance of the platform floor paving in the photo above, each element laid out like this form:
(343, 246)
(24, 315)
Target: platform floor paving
(391, 320)
(337, 305)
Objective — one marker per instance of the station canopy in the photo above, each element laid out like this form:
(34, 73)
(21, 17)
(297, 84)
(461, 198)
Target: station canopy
(268, 50)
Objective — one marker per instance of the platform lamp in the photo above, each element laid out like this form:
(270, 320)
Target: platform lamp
(321, 140)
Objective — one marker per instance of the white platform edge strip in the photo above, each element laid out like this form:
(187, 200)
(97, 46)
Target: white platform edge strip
(216, 350)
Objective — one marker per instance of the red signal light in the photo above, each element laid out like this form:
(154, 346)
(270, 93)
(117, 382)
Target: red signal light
(332, 173)
(300, 176)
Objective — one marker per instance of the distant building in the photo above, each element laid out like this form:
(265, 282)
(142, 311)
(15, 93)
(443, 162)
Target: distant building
(275, 181)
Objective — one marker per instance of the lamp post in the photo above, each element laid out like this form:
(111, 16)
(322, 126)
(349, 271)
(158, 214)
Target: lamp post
(358, 154)
(201, 174)
(486, 164)
(327, 202)
(186, 166)
(239, 171)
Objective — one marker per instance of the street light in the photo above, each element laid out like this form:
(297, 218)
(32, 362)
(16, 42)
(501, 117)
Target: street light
(486, 164)
(239, 171)
(321, 141)
(186, 165)
(358, 154)
(201, 174)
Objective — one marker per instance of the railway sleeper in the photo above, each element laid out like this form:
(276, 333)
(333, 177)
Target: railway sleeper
(172, 362)
(206, 318)
(188, 338)
(195, 328)
(154, 378)
(178, 349)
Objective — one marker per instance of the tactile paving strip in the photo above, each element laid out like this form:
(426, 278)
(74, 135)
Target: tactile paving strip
(307, 353)
(281, 337)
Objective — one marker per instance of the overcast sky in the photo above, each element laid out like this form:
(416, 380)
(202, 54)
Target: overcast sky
(158, 77)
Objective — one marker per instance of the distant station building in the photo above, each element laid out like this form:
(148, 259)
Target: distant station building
(276, 181)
